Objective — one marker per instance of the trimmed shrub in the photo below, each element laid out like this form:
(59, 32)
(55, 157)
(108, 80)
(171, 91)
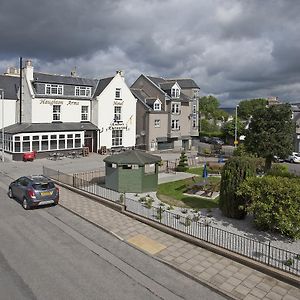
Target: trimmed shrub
(280, 170)
(234, 172)
(274, 202)
(182, 165)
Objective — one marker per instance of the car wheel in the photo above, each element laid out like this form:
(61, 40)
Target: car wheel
(25, 204)
(10, 193)
(291, 161)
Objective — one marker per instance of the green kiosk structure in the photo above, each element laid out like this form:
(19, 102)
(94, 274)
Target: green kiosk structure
(132, 171)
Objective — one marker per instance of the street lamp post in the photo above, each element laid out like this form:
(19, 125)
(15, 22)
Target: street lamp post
(2, 100)
(235, 128)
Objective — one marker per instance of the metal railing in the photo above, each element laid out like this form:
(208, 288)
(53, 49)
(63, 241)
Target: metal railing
(200, 228)
(195, 226)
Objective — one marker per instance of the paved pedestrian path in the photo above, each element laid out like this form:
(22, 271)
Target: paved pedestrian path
(232, 278)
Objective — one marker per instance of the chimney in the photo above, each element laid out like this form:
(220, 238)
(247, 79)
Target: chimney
(28, 70)
(74, 72)
(121, 73)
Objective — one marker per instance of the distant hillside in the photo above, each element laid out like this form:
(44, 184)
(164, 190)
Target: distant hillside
(230, 110)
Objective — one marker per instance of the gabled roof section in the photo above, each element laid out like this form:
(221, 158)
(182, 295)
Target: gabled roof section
(133, 157)
(156, 80)
(102, 84)
(166, 86)
(10, 86)
(185, 83)
(62, 79)
(49, 127)
(141, 96)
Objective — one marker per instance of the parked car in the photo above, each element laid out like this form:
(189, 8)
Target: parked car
(33, 191)
(216, 141)
(204, 139)
(294, 158)
(278, 159)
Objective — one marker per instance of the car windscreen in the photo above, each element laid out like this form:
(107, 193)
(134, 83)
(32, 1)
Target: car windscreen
(43, 186)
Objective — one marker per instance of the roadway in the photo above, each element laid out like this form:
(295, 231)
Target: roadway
(49, 253)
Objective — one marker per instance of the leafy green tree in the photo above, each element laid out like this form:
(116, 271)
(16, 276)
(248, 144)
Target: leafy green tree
(234, 172)
(274, 203)
(270, 133)
(247, 107)
(228, 129)
(209, 108)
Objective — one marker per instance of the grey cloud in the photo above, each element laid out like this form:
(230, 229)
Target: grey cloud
(233, 49)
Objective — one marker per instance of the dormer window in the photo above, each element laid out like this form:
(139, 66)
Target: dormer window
(83, 91)
(118, 93)
(54, 89)
(157, 105)
(175, 93)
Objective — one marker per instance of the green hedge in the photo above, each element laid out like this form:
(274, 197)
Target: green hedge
(274, 202)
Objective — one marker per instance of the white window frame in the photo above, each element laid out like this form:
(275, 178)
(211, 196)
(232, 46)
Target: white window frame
(83, 91)
(84, 113)
(118, 93)
(175, 125)
(117, 113)
(56, 112)
(117, 138)
(175, 93)
(53, 89)
(157, 123)
(175, 108)
(194, 108)
(157, 105)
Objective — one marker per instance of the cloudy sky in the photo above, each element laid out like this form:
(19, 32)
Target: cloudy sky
(233, 49)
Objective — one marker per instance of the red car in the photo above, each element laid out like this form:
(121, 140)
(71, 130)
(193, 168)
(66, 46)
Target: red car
(29, 156)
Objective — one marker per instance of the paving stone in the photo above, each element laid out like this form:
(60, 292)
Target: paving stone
(258, 293)
(198, 268)
(289, 297)
(212, 271)
(255, 278)
(279, 290)
(294, 292)
(217, 280)
(264, 287)
(227, 287)
(206, 276)
(186, 266)
(226, 273)
(234, 281)
(274, 296)
(180, 259)
(242, 289)
(251, 297)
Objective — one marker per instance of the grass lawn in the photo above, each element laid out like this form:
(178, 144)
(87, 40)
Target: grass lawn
(171, 193)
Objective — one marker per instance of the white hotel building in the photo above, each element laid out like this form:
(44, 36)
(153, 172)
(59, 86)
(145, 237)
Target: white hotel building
(65, 113)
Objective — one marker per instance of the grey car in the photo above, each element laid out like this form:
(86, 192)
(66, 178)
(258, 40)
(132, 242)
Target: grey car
(33, 191)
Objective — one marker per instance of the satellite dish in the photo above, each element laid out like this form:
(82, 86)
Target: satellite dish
(143, 133)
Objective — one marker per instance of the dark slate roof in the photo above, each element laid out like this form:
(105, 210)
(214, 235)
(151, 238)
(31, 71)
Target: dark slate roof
(102, 84)
(10, 85)
(133, 157)
(156, 80)
(184, 83)
(48, 127)
(140, 95)
(62, 79)
(166, 85)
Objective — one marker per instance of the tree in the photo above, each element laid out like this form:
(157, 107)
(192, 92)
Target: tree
(234, 172)
(182, 165)
(209, 107)
(228, 129)
(270, 133)
(248, 107)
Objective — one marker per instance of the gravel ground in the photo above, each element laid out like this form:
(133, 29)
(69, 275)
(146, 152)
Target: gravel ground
(242, 227)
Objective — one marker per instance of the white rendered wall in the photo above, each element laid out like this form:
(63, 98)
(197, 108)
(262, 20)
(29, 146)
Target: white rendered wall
(103, 118)
(9, 112)
(70, 110)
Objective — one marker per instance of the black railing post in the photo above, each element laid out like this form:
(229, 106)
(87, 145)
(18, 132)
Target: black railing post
(269, 250)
